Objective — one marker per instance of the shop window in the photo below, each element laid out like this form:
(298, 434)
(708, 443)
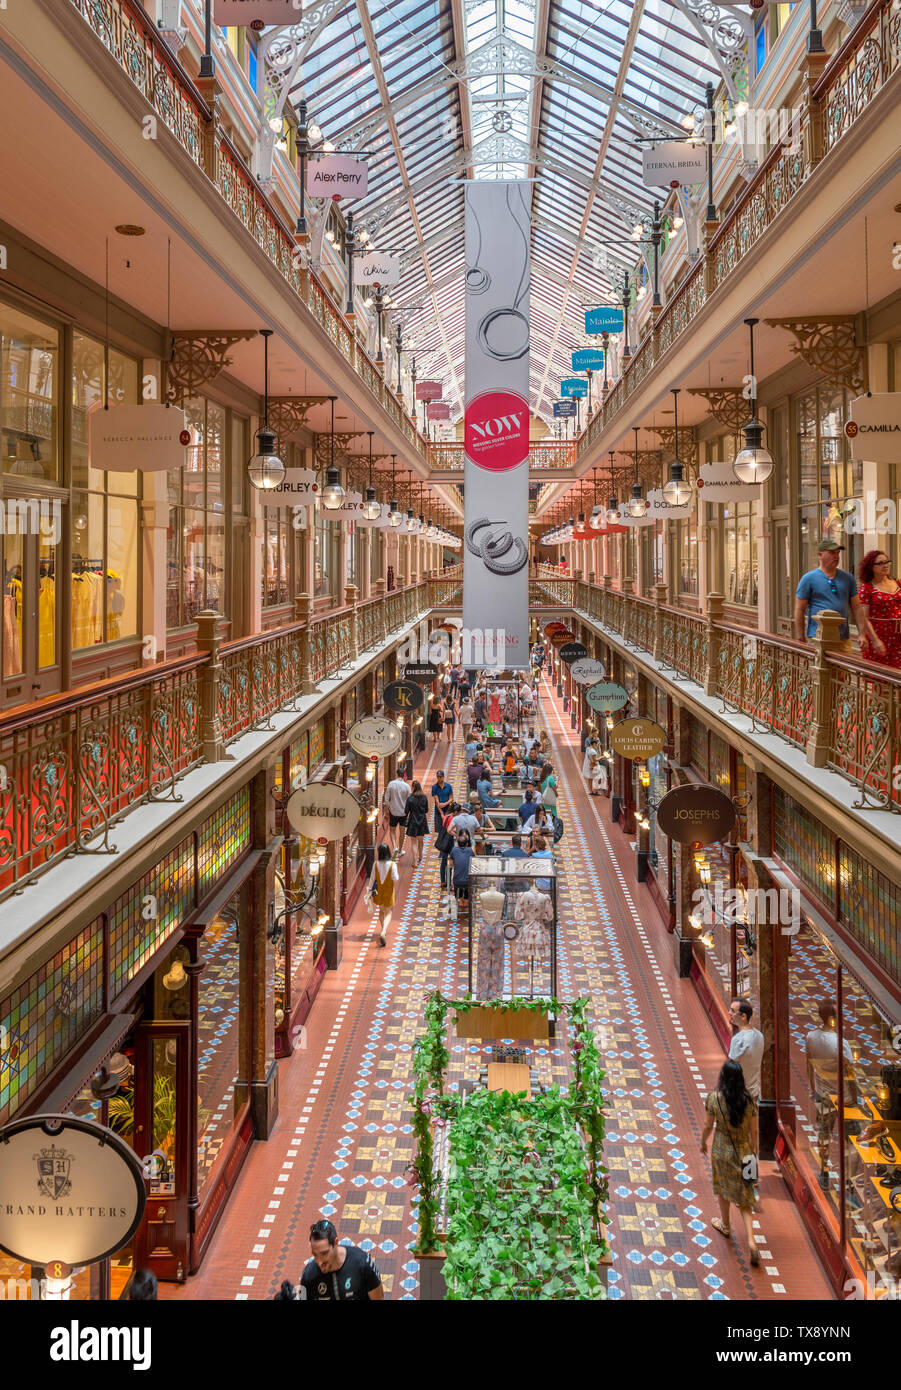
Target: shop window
(805, 845)
(375, 555)
(698, 747)
(687, 555)
(196, 548)
(353, 540)
(252, 66)
(317, 746)
(827, 477)
(324, 538)
(739, 521)
(277, 537)
(43, 1018)
(106, 554)
(29, 396)
(218, 1037)
(718, 771)
(760, 45)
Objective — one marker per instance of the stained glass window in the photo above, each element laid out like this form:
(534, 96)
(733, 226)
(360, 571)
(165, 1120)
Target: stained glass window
(224, 836)
(719, 763)
(317, 746)
(144, 917)
(299, 763)
(698, 746)
(42, 1018)
(870, 907)
(806, 846)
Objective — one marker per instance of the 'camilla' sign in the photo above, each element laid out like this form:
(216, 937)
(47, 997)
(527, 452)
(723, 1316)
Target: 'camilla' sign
(71, 1192)
(323, 811)
(874, 430)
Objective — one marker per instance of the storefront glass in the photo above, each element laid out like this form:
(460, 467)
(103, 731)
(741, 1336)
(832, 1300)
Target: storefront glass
(29, 396)
(218, 1047)
(827, 477)
(196, 543)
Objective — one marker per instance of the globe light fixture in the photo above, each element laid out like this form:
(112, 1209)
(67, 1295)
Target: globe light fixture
(636, 505)
(372, 507)
(753, 463)
(265, 469)
(677, 490)
(333, 492)
(612, 510)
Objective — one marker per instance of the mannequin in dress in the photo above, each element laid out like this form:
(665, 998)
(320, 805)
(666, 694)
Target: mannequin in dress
(490, 980)
(536, 912)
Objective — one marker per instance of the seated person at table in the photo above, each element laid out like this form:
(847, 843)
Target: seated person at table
(529, 806)
(541, 851)
(540, 825)
(472, 747)
(483, 787)
(475, 770)
(529, 741)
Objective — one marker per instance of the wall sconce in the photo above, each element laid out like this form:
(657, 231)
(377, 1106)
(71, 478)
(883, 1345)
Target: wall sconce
(176, 977)
(644, 776)
(313, 868)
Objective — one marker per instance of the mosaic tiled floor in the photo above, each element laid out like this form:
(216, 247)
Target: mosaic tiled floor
(343, 1137)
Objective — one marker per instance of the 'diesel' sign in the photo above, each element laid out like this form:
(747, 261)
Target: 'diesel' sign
(71, 1192)
(695, 815)
(323, 811)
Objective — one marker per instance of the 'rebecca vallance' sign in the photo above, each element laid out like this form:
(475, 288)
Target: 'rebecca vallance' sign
(127, 437)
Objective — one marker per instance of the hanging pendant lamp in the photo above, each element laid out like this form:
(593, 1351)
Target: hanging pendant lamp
(333, 492)
(637, 505)
(753, 463)
(265, 470)
(677, 490)
(613, 500)
(372, 507)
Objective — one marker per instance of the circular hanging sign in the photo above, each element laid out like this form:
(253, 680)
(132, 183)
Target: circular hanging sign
(71, 1191)
(607, 695)
(496, 429)
(559, 639)
(402, 696)
(696, 815)
(554, 627)
(373, 737)
(587, 670)
(323, 811)
(421, 672)
(573, 651)
(637, 738)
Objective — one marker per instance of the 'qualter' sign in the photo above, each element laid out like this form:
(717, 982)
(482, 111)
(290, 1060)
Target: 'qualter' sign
(336, 176)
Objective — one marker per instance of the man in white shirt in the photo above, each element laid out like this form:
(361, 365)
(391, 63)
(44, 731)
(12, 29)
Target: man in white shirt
(467, 718)
(395, 798)
(747, 1045)
(465, 820)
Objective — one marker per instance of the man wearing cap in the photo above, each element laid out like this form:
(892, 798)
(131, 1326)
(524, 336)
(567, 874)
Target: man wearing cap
(829, 587)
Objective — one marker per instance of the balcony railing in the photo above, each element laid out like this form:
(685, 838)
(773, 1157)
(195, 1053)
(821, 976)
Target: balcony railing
(543, 455)
(845, 714)
(129, 37)
(74, 764)
(857, 73)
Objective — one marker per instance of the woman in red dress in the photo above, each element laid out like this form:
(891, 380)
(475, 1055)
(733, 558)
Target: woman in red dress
(880, 595)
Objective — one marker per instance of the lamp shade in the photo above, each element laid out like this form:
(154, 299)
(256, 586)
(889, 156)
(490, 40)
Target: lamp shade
(333, 492)
(753, 463)
(265, 470)
(636, 505)
(677, 490)
(372, 508)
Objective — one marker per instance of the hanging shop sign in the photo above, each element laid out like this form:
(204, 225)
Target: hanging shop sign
(402, 696)
(496, 423)
(717, 483)
(587, 670)
(573, 651)
(377, 268)
(695, 815)
(604, 320)
(422, 672)
(673, 163)
(874, 429)
(607, 696)
(373, 737)
(71, 1192)
(438, 410)
(551, 628)
(336, 176)
(429, 390)
(564, 410)
(587, 360)
(256, 14)
(323, 811)
(660, 509)
(637, 738)
(573, 386)
(299, 487)
(127, 437)
(351, 508)
(378, 523)
(559, 639)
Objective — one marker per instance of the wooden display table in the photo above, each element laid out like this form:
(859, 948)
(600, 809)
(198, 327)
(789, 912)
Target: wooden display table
(514, 1077)
(503, 1023)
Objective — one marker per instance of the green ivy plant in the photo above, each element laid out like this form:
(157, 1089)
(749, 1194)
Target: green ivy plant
(515, 1165)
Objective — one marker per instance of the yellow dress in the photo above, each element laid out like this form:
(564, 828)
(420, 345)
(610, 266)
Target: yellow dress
(47, 623)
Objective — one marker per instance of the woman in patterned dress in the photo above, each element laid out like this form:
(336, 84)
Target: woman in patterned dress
(880, 595)
(733, 1114)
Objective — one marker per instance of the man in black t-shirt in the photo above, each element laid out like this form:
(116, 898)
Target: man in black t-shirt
(338, 1272)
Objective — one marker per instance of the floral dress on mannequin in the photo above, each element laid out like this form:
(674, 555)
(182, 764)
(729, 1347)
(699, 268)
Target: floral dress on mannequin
(535, 910)
(490, 967)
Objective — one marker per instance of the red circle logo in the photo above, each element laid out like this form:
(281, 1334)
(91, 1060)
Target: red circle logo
(184, 437)
(851, 428)
(497, 431)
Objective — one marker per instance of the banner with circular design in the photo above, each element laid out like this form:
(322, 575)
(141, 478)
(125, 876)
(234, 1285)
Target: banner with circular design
(607, 696)
(323, 811)
(373, 737)
(696, 814)
(637, 739)
(587, 670)
(573, 651)
(403, 696)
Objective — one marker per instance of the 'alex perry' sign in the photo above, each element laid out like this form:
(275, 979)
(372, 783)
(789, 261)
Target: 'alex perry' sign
(336, 176)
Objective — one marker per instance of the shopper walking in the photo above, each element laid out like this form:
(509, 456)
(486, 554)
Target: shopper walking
(880, 596)
(442, 795)
(732, 1114)
(380, 892)
(747, 1044)
(461, 854)
(467, 718)
(450, 719)
(338, 1272)
(548, 787)
(394, 799)
(436, 717)
(830, 587)
(417, 820)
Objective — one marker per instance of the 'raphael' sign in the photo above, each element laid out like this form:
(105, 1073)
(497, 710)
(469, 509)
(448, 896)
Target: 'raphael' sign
(637, 738)
(587, 671)
(695, 815)
(71, 1192)
(323, 811)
